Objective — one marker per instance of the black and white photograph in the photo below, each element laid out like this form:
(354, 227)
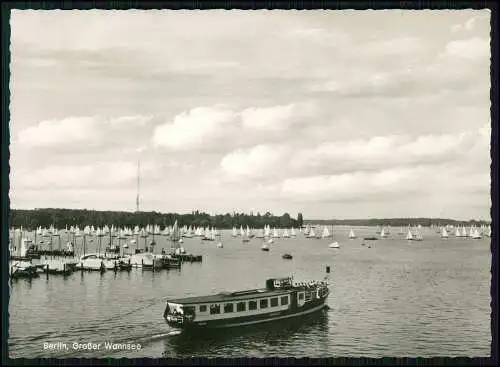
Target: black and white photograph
(249, 183)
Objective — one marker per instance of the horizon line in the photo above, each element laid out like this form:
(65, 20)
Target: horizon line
(304, 218)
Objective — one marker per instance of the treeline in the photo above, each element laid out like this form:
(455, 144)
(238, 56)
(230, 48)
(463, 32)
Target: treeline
(396, 222)
(60, 218)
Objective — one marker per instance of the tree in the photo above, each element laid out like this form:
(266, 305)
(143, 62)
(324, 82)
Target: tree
(300, 220)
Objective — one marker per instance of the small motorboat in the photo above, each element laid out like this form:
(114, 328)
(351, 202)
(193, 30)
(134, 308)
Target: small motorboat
(265, 247)
(220, 245)
(370, 238)
(287, 256)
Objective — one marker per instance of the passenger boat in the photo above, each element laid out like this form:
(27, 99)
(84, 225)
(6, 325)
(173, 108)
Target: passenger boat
(282, 298)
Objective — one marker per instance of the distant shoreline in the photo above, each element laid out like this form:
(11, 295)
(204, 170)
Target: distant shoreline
(60, 217)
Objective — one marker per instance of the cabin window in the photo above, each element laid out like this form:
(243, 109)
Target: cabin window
(228, 307)
(274, 302)
(284, 300)
(203, 308)
(214, 309)
(241, 306)
(301, 296)
(308, 296)
(252, 305)
(263, 303)
(189, 310)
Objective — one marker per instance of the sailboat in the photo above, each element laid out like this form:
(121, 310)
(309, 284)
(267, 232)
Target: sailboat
(219, 238)
(333, 244)
(245, 237)
(418, 235)
(409, 235)
(475, 235)
(326, 234)
(311, 233)
(285, 233)
(351, 235)
(444, 233)
(293, 232)
(383, 234)
(265, 246)
(464, 232)
(267, 231)
(235, 233)
(275, 233)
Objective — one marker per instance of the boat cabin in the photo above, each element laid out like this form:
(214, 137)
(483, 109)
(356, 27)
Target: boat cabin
(280, 297)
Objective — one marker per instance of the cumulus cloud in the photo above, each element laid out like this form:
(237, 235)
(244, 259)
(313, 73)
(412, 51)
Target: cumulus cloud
(71, 131)
(103, 174)
(471, 23)
(268, 118)
(67, 131)
(472, 48)
(258, 161)
(392, 150)
(386, 184)
(195, 128)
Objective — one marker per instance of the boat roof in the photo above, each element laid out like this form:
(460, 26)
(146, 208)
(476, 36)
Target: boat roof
(231, 296)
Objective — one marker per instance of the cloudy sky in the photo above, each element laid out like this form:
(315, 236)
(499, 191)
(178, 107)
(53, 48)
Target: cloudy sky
(335, 114)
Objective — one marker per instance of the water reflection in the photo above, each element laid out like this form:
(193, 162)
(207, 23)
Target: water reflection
(239, 340)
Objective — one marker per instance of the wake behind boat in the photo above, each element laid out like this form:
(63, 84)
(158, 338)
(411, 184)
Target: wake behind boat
(282, 298)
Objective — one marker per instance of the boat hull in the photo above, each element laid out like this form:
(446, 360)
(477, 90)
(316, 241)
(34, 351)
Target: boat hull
(309, 308)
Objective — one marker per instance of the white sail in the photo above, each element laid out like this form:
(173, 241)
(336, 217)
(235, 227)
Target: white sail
(457, 233)
(444, 233)
(235, 233)
(248, 232)
(307, 231)
(293, 232)
(275, 233)
(326, 233)
(409, 235)
(311, 233)
(418, 236)
(242, 232)
(351, 234)
(464, 232)
(285, 233)
(382, 233)
(475, 234)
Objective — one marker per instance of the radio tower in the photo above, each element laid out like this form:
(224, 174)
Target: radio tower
(138, 184)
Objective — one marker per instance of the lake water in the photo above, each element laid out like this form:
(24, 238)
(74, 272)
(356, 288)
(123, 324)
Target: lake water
(397, 298)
